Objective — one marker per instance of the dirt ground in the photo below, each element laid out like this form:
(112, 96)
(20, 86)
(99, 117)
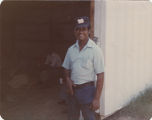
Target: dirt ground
(41, 103)
(38, 103)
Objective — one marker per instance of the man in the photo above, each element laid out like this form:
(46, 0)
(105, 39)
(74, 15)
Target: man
(83, 64)
(53, 60)
(51, 68)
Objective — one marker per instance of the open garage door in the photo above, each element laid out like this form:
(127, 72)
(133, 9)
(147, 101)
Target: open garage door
(29, 31)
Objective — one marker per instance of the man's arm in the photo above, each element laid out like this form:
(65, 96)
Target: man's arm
(69, 82)
(99, 86)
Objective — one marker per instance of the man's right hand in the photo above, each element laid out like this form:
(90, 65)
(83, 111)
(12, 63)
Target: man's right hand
(70, 88)
(68, 82)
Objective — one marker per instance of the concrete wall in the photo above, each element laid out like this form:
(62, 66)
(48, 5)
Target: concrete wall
(128, 52)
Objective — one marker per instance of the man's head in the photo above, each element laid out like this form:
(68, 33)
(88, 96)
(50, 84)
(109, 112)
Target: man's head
(82, 28)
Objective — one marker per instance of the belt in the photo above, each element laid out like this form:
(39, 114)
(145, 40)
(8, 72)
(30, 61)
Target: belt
(76, 86)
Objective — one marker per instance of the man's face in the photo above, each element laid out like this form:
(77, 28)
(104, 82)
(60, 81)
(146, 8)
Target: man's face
(82, 33)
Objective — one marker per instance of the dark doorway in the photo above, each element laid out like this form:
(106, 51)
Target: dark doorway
(29, 30)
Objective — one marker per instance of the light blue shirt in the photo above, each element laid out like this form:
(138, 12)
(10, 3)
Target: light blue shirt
(84, 64)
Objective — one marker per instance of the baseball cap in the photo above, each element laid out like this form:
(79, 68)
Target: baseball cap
(82, 22)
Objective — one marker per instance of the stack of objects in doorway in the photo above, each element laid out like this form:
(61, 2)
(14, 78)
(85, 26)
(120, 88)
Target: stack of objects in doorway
(18, 81)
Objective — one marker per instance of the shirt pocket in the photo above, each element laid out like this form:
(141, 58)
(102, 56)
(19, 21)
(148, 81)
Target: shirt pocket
(86, 63)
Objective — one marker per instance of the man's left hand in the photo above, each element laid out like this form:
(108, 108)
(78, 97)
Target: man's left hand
(95, 104)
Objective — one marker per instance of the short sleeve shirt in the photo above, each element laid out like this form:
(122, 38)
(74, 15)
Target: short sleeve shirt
(84, 65)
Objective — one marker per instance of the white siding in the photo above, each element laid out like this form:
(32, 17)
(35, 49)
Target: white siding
(127, 35)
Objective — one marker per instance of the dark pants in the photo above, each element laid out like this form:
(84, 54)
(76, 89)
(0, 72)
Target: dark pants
(81, 100)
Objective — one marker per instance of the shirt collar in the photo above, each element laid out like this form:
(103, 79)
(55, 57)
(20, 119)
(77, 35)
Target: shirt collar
(89, 44)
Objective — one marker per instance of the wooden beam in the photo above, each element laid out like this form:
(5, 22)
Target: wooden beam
(92, 2)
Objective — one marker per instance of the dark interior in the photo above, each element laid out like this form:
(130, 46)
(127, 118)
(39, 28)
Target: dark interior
(30, 30)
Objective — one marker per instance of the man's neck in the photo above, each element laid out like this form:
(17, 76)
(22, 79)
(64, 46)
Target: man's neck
(82, 43)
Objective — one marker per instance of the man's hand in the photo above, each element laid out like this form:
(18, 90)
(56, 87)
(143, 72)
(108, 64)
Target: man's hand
(96, 101)
(70, 89)
(69, 82)
(95, 104)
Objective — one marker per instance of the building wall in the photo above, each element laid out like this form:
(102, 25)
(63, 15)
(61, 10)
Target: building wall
(99, 32)
(128, 52)
(0, 65)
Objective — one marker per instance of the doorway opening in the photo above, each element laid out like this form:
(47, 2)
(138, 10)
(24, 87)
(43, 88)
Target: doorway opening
(30, 30)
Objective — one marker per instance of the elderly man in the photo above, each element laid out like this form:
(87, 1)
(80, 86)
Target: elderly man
(83, 65)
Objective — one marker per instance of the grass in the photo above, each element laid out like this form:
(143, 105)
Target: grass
(139, 107)
(142, 105)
